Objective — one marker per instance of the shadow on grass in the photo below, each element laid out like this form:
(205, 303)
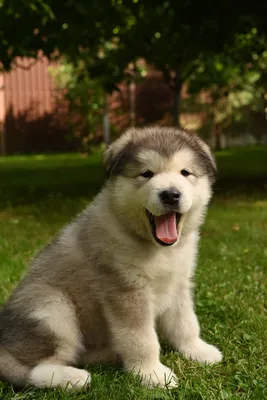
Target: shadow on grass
(29, 181)
(242, 172)
(26, 180)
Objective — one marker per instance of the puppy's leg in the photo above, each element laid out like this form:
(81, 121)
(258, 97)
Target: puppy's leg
(12, 370)
(99, 355)
(47, 375)
(180, 326)
(58, 315)
(134, 338)
(37, 348)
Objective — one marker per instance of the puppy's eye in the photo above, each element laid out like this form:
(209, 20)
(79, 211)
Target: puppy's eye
(185, 172)
(147, 174)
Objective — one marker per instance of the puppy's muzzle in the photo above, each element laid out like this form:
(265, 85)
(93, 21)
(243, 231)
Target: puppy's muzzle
(170, 197)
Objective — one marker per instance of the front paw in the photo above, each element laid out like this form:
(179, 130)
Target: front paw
(158, 375)
(201, 351)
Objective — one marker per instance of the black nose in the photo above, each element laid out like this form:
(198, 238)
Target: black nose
(170, 196)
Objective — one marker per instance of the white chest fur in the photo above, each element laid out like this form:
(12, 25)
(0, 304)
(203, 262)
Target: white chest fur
(162, 270)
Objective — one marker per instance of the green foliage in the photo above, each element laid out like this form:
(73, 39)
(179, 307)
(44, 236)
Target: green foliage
(169, 34)
(19, 33)
(85, 99)
(235, 81)
(177, 37)
(53, 27)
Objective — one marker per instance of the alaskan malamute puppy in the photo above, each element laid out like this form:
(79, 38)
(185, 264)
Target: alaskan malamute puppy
(117, 274)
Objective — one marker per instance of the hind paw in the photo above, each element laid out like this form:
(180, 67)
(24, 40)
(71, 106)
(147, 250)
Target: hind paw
(52, 376)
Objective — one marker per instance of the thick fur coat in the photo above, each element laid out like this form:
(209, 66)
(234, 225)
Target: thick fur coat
(120, 272)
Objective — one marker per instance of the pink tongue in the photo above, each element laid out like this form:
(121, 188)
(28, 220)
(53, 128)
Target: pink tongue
(166, 229)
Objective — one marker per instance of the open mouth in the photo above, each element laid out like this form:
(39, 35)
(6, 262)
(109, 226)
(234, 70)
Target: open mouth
(165, 228)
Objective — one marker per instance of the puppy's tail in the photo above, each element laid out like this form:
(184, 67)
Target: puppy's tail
(11, 370)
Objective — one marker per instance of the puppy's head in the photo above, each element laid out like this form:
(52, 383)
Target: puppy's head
(160, 182)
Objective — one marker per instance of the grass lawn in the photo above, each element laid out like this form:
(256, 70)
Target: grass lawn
(38, 194)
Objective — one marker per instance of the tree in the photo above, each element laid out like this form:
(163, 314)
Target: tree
(54, 27)
(172, 35)
(85, 99)
(234, 81)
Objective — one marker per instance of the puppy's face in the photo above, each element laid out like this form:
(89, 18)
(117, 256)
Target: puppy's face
(160, 182)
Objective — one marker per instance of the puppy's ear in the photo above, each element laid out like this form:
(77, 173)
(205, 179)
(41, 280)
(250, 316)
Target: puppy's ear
(113, 162)
(117, 155)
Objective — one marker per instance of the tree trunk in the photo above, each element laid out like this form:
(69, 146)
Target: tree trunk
(216, 134)
(177, 101)
(106, 124)
(3, 146)
(265, 105)
(218, 143)
(215, 130)
(3, 140)
(132, 95)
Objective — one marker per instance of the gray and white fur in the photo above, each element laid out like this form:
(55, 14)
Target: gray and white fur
(106, 284)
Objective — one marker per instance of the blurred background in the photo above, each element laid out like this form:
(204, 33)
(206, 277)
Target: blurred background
(76, 74)
(73, 76)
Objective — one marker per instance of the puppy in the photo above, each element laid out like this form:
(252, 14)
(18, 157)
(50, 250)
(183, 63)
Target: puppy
(122, 270)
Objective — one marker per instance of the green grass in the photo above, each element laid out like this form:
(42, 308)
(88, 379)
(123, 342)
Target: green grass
(38, 194)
